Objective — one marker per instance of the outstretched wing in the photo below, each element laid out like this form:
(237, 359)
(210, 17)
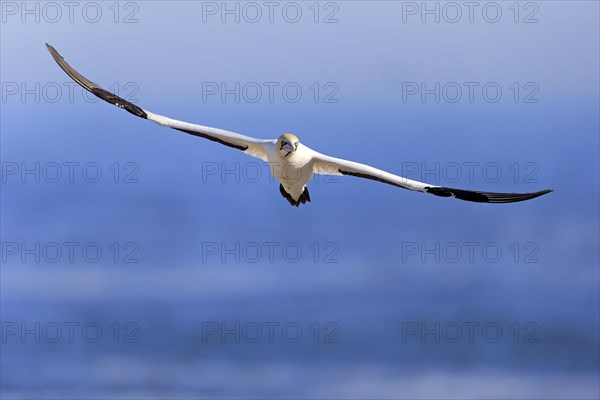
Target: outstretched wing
(254, 147)
(326, 165)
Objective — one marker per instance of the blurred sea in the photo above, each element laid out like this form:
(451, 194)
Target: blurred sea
(362, 302)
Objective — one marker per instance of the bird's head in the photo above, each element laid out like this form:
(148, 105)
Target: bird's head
(287, 144)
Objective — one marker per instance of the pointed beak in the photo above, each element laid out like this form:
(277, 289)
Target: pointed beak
(287, 146)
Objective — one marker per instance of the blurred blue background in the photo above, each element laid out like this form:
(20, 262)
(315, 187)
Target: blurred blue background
(373, 277)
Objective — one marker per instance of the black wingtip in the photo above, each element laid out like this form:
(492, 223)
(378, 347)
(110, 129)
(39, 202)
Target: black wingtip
(54, 53)
(94, 88)
(484, 197)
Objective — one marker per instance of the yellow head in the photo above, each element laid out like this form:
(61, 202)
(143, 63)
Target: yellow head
(287, 144)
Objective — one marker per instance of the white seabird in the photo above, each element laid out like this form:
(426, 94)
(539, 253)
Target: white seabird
(291, 163)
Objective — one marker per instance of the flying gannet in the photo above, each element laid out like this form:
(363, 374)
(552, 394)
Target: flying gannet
(291, 163)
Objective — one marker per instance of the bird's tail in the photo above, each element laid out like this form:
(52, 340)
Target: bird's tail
(304, 197)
